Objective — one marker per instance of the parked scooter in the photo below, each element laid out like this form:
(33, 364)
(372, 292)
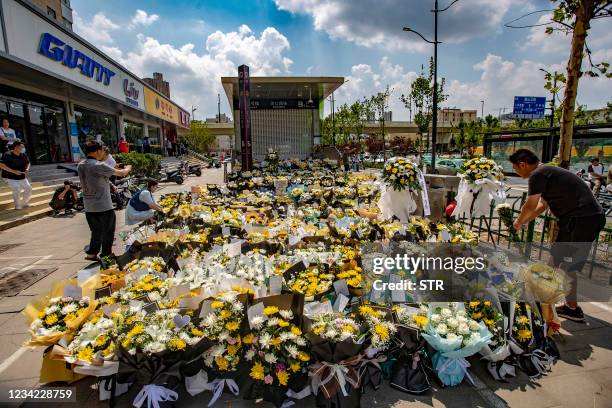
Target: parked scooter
(191, 168)
(121, 194)
(168, 175)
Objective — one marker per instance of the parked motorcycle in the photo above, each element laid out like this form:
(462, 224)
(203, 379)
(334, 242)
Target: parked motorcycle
(121, 194)
(168, 175)
(191, 168)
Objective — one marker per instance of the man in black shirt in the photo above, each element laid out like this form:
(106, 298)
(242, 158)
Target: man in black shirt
(580, 216)
(15, 166)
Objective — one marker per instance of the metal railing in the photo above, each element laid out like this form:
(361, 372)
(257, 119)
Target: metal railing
(536, 235)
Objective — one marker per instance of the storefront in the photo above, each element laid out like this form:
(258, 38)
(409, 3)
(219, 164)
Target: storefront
(58, 91)
(38, 121)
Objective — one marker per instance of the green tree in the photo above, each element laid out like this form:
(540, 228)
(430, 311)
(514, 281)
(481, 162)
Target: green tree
(199, 137)
(421, 99)
(575, 17)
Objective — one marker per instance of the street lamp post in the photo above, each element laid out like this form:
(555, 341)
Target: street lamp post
(482, 110)
(435, 42)
(193, 109)
(552, 109)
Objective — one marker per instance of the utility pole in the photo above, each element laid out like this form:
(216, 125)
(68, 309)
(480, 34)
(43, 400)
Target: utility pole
(333, 115)
(435, 42)
(193, 109)
(482, 110)
(219, 108)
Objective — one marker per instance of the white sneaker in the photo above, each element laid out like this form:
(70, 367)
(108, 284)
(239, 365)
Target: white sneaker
(27, 206)
(18, 208)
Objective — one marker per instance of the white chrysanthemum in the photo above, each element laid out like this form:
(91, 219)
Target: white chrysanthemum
(224, 335)
(265, 339)
(330, 333)
(69, 308)
(473, 325)
(463, 329)
(237, 306)
(218, 350)
(286, 314)
(300, 341)
(435, 318)
(249, 354)
(461, 313)
(257, 322)
(273, 322)
(452, 323)
(442, 329)
(270, 358)
(462, 319)
(210, 320)
(292, 350)
(228, 297)
(446, 313)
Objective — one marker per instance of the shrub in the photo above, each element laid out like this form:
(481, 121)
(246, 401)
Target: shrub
(143, 164)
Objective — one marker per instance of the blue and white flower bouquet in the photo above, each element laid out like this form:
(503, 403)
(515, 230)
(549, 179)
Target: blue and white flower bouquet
(454, 336)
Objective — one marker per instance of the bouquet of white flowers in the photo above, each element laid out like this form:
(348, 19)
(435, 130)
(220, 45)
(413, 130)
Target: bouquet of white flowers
(455, 337)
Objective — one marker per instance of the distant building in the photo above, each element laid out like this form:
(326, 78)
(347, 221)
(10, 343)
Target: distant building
(388, 116)
(224, 119)
(454, 115)
(159, 84)
(57, 10)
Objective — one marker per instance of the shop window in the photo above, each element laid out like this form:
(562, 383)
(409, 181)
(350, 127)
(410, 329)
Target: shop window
(67, 23)
(134, 135)
(155, 140)
(51, 13)
(98, 126)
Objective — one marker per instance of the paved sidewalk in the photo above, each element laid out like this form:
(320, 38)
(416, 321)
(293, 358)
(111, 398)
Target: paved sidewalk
(582, 378)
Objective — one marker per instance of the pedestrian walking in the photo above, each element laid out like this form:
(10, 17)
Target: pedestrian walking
(169, 147)
(94, 175)
(15, 166)
(7, 136)
(580, 217)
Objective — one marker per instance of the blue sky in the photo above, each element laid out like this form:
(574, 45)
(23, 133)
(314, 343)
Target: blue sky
(195, 42)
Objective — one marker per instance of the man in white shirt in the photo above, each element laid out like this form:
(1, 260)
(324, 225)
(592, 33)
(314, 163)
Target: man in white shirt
(596, 174)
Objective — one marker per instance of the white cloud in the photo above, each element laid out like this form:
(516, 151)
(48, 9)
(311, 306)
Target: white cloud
(375, 23)
(501, 80)
(97, 30)
(365, 81)
(195, 79)
(142, 18)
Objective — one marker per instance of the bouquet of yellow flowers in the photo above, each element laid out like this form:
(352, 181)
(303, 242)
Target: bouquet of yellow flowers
(401, 174)
(481, 168)
(222, 325)
(277, 353)
(61, 317)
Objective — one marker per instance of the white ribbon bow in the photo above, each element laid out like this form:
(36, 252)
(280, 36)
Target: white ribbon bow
(335, 370)
(154, 394)
(463, 364)
(217, 387)
(296, 396)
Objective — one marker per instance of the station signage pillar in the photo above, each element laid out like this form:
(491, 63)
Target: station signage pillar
(244, 106)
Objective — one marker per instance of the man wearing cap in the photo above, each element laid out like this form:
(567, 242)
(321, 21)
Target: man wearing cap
(15, 166)
(94, 175)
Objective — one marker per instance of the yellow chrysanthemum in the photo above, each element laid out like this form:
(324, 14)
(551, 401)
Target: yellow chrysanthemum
(283, 377)
(85, 354)
(232, 326)
(295, 367)
(51, 319)
(270, 310)
(257, 372)
(296, 330)
(222, 363)
(177, 344)
(523, 335)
